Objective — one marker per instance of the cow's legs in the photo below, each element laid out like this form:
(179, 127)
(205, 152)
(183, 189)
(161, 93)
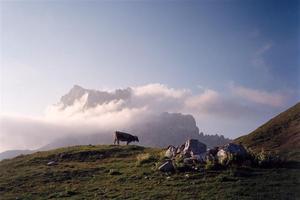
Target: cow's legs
(116, 141)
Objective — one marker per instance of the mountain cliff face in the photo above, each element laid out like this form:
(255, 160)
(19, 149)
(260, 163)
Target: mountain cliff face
(174, 129)
(281, 134)
(94, 97)
(159, 131)
(166, 129)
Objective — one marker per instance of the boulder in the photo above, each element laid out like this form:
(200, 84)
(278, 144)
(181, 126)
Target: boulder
(180, 148)
(222, 156)
(199, 157)
(231, 150)
(188, 161)
(167, 167)
(193, 147)
(236, 149)
(171, 152)
(195, 159)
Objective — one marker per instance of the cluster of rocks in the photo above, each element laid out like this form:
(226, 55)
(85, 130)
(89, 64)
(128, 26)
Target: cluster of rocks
(194, 151)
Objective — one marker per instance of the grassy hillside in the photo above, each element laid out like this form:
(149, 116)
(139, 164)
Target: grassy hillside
(114, 172)
(280, 134)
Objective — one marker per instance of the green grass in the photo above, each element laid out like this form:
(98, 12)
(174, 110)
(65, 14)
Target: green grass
(129, 172)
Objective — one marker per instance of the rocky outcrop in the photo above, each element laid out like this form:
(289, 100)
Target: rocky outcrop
(193, 147)
(167, 167)
(231, 150)
(171, 151)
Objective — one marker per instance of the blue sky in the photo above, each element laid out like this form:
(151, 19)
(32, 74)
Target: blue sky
(48, 46)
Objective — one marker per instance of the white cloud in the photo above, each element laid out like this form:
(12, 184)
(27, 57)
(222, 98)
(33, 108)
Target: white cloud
(159, 90)
(275, 99)
(203, 101)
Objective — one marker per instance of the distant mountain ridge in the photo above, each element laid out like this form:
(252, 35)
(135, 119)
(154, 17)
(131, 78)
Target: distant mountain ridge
(174, 129)
(280, 134)
(95, 97)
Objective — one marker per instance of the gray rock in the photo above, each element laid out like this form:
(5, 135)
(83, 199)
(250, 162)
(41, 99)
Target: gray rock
(114, 172)
(193, 147)
(167, 167)
(199, 157)
(231, 149)
(171, 152)
(222, 156)
(180, 149)
(235, 149)
(188, 161)
(52, 163)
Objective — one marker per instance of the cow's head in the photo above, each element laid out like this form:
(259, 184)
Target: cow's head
(136, 138)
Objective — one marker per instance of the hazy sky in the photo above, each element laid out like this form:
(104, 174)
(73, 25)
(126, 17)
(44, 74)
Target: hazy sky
(246, 48)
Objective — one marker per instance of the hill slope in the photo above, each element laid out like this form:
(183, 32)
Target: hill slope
(280, 134)
(112, 172)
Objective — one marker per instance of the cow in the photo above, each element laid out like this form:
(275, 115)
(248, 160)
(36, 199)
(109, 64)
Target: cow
(125, 137)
